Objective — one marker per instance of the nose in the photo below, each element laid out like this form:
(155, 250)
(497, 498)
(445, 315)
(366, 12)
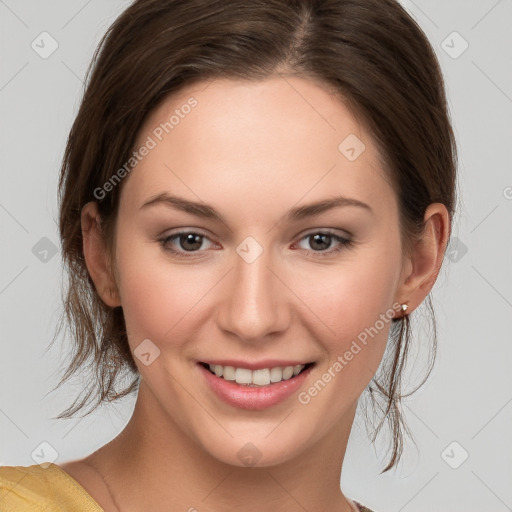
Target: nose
(257, 300)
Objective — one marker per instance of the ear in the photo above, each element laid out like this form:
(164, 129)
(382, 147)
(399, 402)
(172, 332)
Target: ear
(422, 266)
(96, 255)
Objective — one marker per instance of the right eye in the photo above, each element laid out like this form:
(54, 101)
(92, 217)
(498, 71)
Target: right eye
(184, 242)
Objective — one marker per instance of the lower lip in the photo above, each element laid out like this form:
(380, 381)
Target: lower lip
(254, 398)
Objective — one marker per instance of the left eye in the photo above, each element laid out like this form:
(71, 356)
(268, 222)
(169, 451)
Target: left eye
(320, 242)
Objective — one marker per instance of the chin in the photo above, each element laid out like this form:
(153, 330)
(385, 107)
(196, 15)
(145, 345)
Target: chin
(265, 449)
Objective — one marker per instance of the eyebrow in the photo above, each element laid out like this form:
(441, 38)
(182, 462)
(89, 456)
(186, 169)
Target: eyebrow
(206, 211)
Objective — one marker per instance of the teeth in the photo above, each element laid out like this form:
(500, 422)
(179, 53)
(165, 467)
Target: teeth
(262, 377)
(276, 374)
(243, 376)
(228, 372)
(287, 372)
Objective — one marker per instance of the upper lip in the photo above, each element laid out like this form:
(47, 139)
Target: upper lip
(256, 365)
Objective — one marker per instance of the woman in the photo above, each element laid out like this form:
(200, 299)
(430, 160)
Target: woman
(255, 196)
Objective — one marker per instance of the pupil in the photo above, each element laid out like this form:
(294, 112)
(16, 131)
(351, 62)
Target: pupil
(321, 240)
(190, 238)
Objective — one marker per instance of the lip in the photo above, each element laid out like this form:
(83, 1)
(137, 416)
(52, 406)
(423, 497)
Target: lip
(253, 398)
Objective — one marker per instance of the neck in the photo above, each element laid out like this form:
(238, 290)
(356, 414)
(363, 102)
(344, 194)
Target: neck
(154, 455)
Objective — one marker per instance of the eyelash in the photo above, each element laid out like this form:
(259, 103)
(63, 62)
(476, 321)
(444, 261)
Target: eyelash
(343, 244)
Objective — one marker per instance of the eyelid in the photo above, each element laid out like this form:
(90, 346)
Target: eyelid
(194, 231)
(185, 230)
(342, 233)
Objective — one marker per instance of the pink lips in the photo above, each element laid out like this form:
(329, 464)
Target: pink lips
(254, 398)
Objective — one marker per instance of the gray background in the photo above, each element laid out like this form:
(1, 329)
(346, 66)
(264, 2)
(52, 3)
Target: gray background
(468, 398)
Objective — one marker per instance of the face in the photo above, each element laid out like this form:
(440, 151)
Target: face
(251, 276)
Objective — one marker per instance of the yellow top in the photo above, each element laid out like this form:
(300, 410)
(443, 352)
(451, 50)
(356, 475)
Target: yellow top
(36, 489)
(51, 489)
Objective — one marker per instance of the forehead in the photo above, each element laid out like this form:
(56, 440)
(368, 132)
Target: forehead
(279, 139)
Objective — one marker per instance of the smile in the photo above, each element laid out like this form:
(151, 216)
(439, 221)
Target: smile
(255, 378)
(265, 385)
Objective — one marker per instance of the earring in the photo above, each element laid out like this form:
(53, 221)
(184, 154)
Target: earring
(404, 308)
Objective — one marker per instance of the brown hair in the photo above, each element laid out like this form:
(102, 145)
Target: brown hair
(370, 52)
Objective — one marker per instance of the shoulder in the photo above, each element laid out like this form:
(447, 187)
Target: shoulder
(42, 488)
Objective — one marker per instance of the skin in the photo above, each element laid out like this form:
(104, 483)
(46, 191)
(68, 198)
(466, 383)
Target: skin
(253, 151)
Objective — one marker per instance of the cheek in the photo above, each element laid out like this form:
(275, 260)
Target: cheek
(351, 310)
(351, 296)
(159, 298)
